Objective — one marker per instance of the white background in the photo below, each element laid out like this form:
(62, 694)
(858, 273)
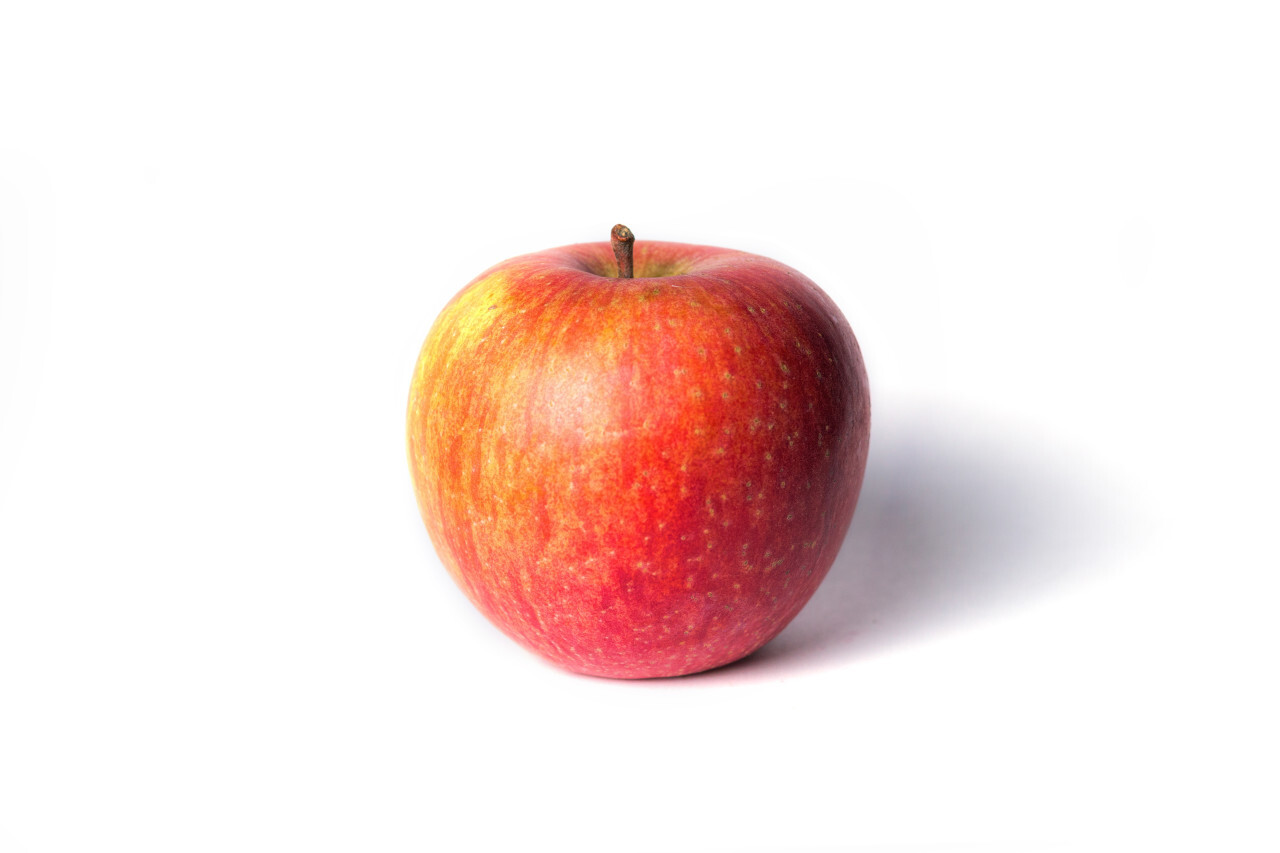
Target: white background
(226, 228)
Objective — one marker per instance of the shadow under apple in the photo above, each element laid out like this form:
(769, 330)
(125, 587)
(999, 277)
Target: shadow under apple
(952, 523)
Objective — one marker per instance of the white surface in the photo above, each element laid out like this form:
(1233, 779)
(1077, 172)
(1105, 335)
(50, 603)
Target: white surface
(225, 230)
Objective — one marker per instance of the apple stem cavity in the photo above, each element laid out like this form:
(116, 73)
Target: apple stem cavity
(623, 241)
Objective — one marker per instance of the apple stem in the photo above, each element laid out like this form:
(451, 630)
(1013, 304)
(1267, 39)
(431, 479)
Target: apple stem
(623, 241)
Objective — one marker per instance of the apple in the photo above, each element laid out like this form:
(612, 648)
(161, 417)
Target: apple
(639, 476)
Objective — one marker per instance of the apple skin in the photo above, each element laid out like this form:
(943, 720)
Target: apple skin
(639, 477)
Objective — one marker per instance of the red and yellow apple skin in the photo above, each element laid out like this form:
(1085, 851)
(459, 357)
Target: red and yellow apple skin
(639, 477)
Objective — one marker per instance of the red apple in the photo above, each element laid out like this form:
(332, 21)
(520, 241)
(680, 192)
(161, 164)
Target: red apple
(646, 476)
